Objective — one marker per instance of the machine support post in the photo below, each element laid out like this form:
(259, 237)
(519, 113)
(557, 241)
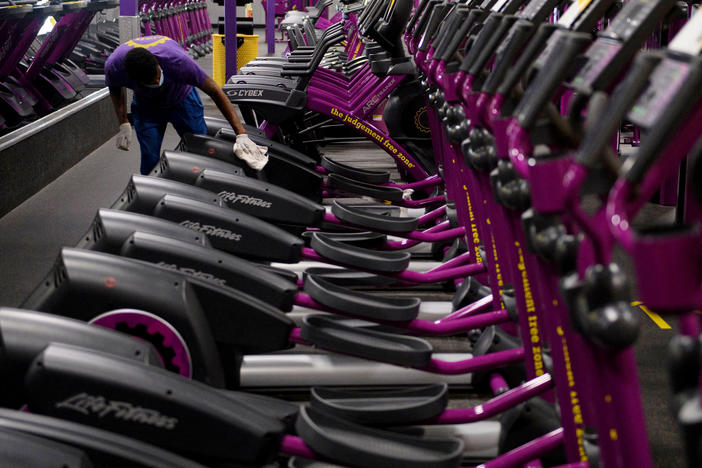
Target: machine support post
(270, 27)
(230, 43)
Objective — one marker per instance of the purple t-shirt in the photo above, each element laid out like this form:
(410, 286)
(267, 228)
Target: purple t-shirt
(179, 70)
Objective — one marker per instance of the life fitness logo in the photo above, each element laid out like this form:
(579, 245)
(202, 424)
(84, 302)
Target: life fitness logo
(101, 407)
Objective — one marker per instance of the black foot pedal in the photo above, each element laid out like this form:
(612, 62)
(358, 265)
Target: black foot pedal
(365, 239)
(406, 351)
(346, 442)
(360, 175)
(389, 262)
(366, 219)
(492, 340)
(353, 186)
(390, 309)
(528, 421)
(471, 290)
(382, 407)
(350, 278)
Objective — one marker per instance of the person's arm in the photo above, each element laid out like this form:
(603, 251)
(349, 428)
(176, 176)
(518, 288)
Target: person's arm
(124, 138)
(120, 102)
(212, 89)
(244, 148)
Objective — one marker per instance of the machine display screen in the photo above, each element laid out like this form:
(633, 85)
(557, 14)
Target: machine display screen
(503, 45)
(630, 19)
(598, 56)
(664, 84)
(549, 49)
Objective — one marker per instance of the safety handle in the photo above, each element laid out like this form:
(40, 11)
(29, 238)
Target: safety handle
(483, 37)
(522, 31)
(492, 45)
(549, 78)
(452, 46)
(527, 57)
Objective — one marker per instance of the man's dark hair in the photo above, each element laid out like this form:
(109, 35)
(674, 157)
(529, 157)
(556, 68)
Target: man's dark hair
(141, 65)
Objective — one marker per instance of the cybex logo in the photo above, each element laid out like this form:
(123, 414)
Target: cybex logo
(211, 231)
(231, 197)
(102, 407)
(247, 92)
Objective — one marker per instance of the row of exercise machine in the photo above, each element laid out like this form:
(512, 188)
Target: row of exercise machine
(185, 21)
(96, 44)
(519, 192)
(38, 76)
(40, 73)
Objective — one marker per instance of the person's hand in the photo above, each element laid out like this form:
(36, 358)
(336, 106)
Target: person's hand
(124, 138)
(254, 155)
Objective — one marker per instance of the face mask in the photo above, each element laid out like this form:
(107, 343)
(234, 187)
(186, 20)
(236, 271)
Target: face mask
(153, 86)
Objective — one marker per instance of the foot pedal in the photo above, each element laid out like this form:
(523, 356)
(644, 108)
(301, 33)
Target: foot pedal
(471, 290)
(526, 422)
(389, 262)
(406, 351)
(360, 175)
(380, 192)
(341, 440)
(350, 278)
(382, 407)
(366, 219)
(492, 340)
(391, 309)
(365, 240)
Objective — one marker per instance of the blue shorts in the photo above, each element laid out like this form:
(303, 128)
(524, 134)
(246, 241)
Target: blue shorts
(150, 125)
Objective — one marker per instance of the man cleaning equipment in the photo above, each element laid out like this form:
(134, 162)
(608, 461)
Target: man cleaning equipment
(164, 77)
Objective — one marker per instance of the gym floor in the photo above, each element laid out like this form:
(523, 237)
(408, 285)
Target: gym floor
(32, 234)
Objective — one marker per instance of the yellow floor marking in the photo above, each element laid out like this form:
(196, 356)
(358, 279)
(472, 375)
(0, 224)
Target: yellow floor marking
(657, 319)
